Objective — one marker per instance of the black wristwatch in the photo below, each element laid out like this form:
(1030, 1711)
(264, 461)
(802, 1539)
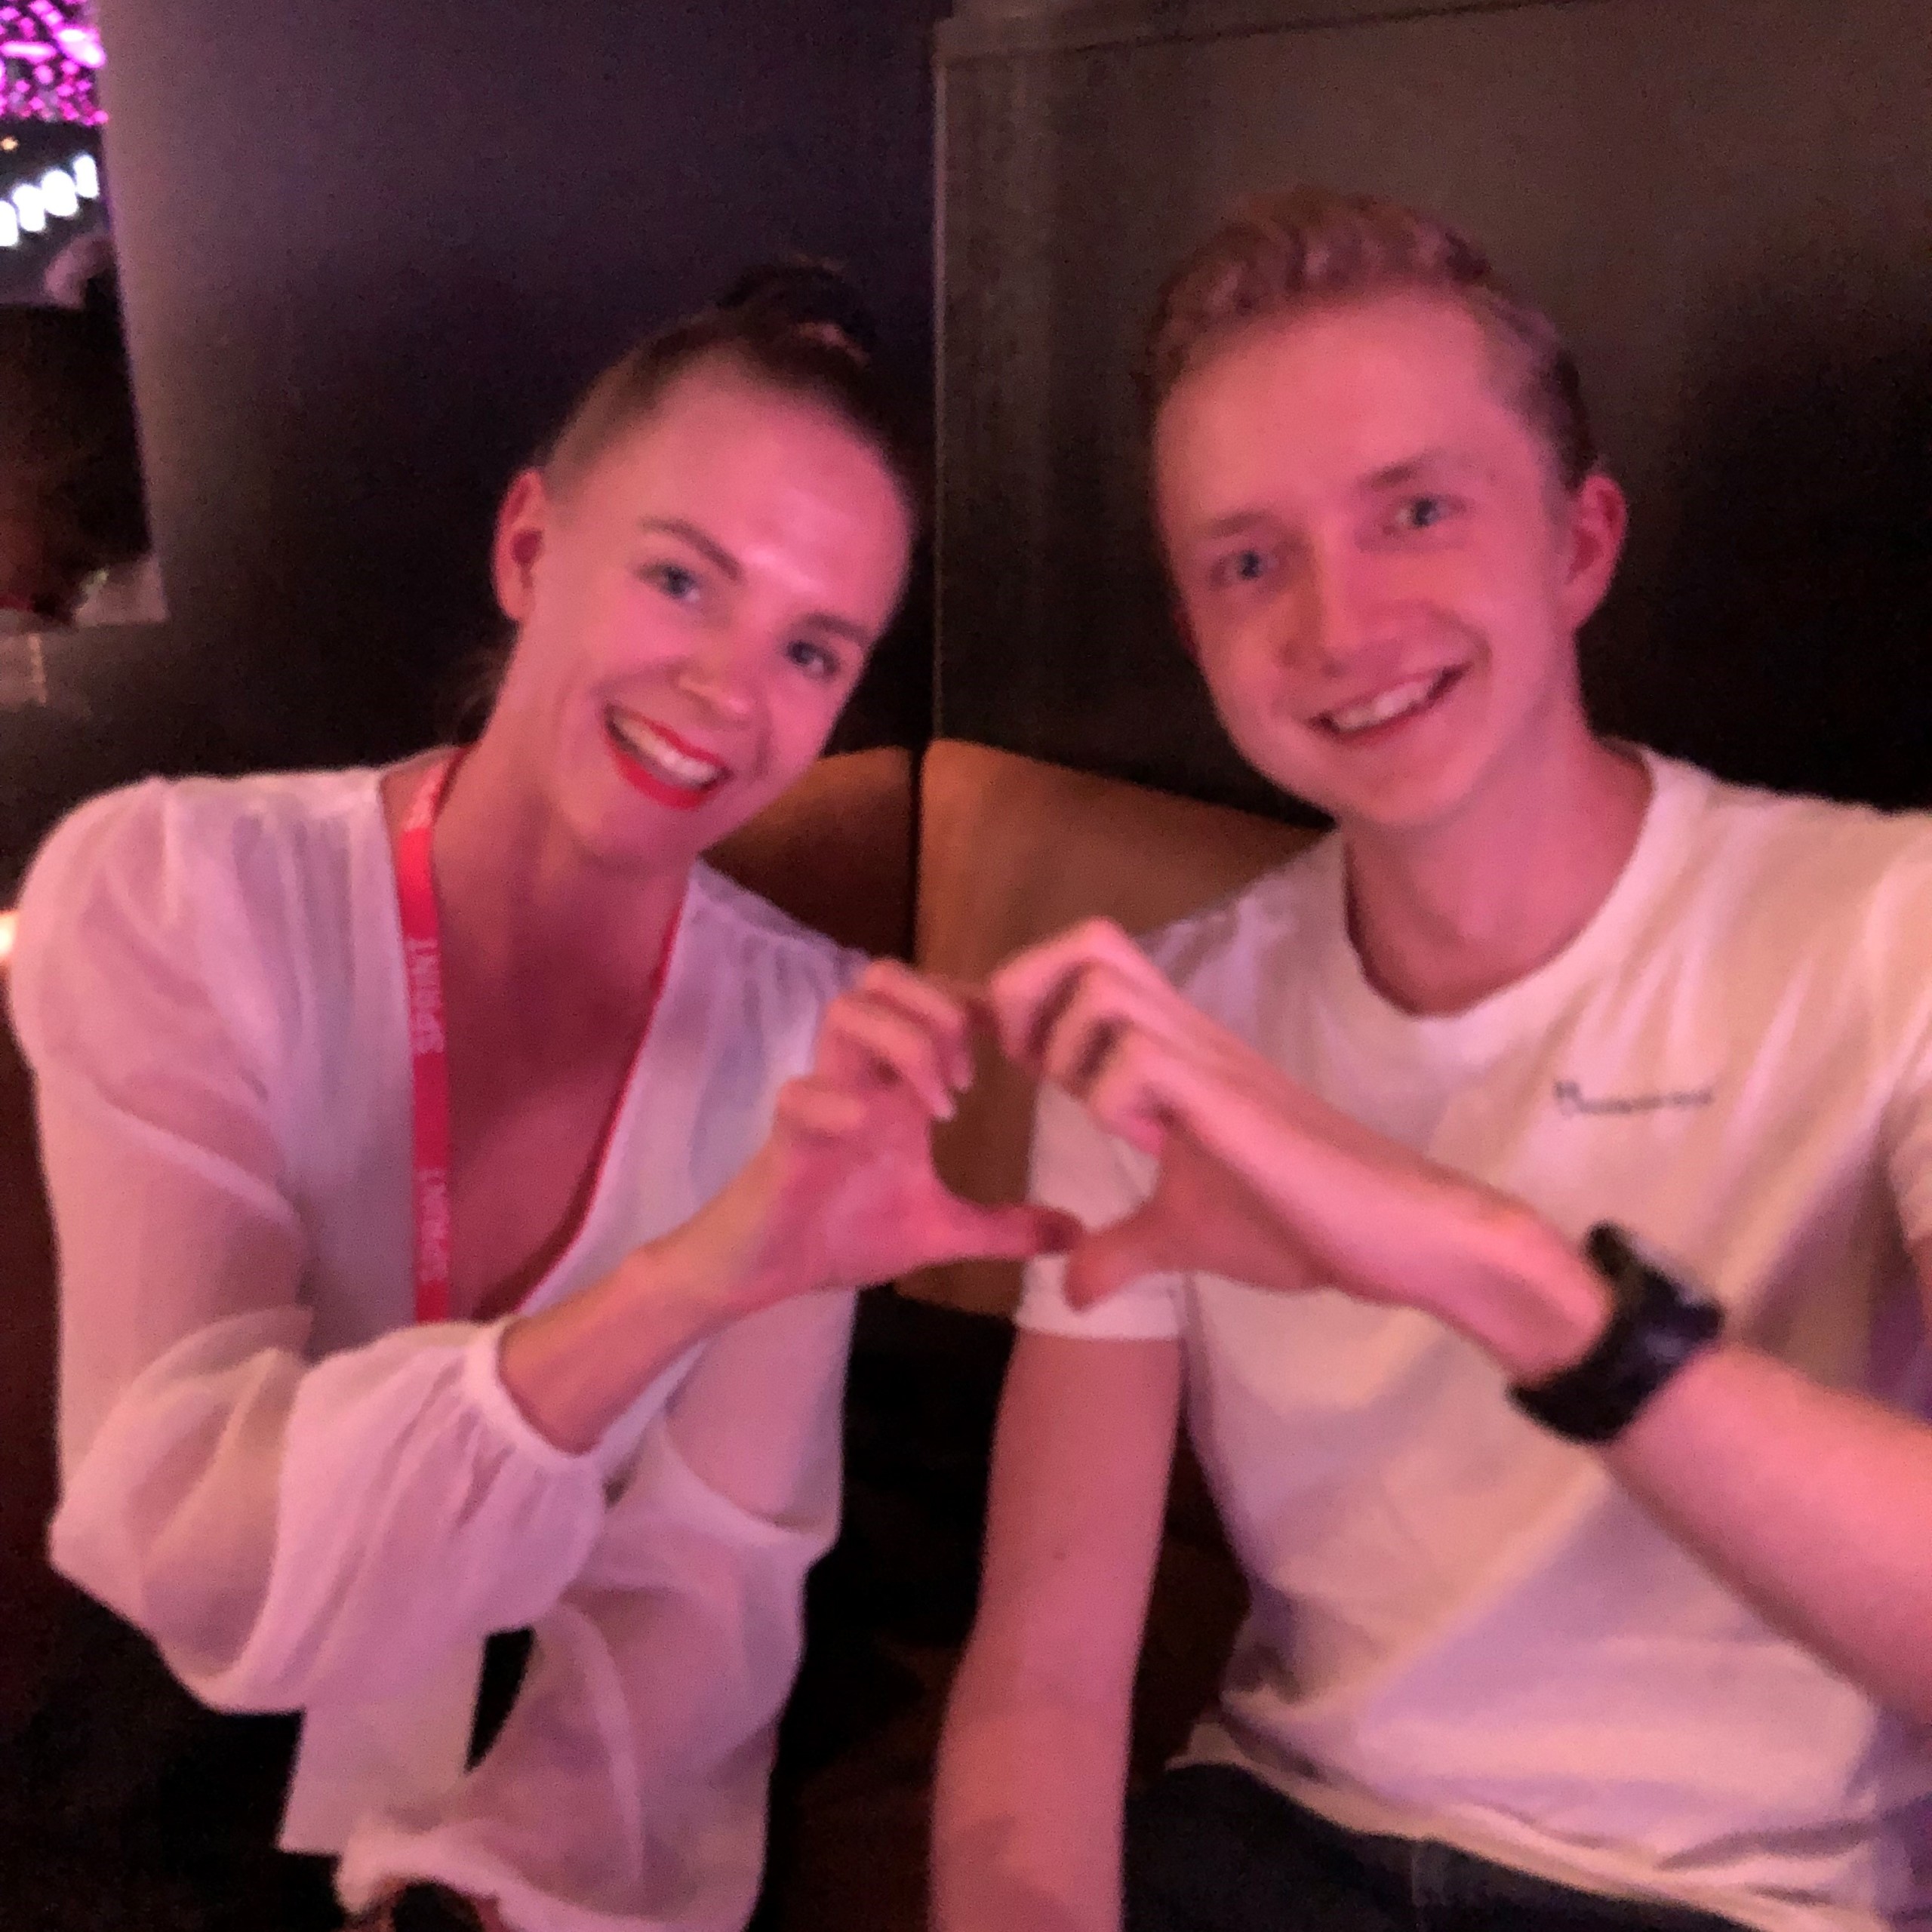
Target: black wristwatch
(1655, 1326)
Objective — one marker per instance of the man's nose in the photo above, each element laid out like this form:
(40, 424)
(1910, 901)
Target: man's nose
(1328, 624)
(720, 675)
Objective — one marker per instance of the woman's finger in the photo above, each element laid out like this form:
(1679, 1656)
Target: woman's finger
(1017, 1232)
(866, 1038)
(946, 1008)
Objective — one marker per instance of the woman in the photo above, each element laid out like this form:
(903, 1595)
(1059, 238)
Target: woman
(443, 1172)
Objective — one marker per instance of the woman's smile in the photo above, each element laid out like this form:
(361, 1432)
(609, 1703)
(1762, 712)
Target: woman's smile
(660, 764)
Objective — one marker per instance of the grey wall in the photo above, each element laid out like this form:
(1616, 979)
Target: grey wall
(1725, 204)
(369, 252)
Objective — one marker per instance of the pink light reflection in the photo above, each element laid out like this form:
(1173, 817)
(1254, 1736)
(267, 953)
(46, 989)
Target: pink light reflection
(40, 81)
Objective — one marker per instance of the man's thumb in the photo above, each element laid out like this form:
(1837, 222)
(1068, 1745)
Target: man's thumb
(1110, 1257)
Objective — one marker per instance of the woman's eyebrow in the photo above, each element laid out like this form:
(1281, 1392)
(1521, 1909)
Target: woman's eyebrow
(708, 547)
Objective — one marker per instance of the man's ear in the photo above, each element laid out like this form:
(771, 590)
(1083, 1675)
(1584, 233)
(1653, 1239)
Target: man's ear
(523, 525)
(1596, 516)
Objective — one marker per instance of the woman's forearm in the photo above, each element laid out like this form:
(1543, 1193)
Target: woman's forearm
(574, 1368)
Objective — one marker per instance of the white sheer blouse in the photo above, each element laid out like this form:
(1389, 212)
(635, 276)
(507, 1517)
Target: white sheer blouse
(311, 1504)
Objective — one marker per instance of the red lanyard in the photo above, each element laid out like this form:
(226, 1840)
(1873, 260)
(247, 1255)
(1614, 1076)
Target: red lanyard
(429, 1049)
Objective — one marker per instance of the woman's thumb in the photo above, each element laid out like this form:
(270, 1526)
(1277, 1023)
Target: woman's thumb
(1015, 1232)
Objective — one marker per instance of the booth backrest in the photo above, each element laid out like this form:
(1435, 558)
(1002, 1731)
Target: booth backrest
(1010, 850)
(835, 851)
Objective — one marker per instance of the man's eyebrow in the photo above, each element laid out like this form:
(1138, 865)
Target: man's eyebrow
(1232, 525)
(1418, 468)
(708, 547)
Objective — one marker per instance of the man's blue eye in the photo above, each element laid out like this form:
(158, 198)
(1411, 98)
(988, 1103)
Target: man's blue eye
(1247, 566)
(1424, 512)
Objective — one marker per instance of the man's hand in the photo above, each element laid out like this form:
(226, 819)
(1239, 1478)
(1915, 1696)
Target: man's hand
(1261, 1181)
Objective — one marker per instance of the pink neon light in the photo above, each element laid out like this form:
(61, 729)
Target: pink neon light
(50, 53)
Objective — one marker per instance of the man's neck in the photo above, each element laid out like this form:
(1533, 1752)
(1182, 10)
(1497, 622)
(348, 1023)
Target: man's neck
(1443, 917)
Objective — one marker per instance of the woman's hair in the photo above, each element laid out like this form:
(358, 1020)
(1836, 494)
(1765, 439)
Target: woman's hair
(798, 328)
(795, 327)
(1277, 254)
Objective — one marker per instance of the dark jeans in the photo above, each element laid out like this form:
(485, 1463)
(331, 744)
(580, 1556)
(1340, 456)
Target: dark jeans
(1210, 1849)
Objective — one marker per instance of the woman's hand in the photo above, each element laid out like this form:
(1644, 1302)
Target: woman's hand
(1261, 1181)
(843, 1192)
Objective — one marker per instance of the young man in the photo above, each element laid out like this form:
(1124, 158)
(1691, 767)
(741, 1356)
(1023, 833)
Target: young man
(1368, 1148)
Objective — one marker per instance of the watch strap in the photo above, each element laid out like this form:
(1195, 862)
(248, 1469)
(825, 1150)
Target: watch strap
(1655, 1326)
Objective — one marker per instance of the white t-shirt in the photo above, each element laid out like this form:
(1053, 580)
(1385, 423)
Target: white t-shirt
(1461, 1628)
(308, 1501)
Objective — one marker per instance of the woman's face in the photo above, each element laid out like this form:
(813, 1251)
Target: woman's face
(694, 610)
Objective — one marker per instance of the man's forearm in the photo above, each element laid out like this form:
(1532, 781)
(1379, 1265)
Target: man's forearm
(1026, 1823)
(1814, 1506)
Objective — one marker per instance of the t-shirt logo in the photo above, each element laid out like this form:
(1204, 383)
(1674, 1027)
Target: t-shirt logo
(1571, 1100)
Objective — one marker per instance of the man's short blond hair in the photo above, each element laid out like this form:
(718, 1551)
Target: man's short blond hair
(1303, 248)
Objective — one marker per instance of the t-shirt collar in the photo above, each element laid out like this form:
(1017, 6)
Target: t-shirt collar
(1526, 1006)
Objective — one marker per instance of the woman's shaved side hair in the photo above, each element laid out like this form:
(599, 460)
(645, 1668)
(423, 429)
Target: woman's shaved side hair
(1304, 247)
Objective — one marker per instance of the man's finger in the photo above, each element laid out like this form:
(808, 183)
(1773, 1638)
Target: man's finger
(1029, 989)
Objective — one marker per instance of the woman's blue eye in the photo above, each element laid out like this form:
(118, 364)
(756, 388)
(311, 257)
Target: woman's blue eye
(678, 584)
(812, 658)
(1423, 513)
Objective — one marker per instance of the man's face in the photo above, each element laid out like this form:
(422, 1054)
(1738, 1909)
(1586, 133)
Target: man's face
(1375, 564)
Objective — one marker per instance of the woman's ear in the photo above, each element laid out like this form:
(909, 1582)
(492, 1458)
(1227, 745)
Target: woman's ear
(523, 525)
(1597, 516)
(1183, 625)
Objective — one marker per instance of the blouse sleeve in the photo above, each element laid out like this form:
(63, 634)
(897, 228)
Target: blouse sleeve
(628, 1787)
(268, 1520)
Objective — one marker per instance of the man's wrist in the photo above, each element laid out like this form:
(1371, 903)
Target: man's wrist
(1657, 1325)
(1533, 1302)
